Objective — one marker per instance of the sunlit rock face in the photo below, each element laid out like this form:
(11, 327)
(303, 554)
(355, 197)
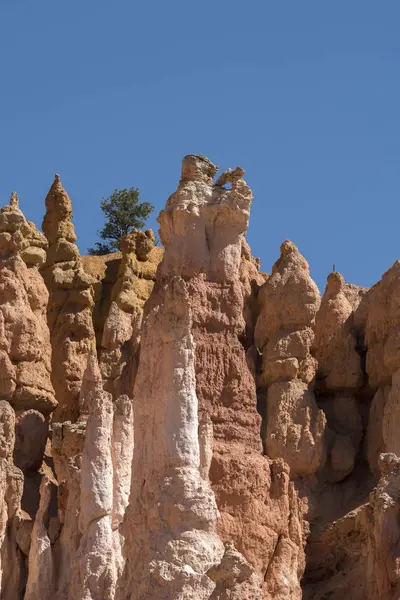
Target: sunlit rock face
(176, 424)
(71, 302)
(25, 352)
(205, 452)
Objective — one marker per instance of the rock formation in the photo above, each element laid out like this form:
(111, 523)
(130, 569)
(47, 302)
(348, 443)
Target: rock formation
(358, 555)
(191, 348)
(288, 304)
(383, 364)
(121, 332)
(71, 303)
(176, 424)
(25, 352)
(26, 393)
(339, 376)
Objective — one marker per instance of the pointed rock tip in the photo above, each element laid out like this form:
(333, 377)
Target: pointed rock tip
(287, 247)
(14, 199)
(57, 182)
(335, 281)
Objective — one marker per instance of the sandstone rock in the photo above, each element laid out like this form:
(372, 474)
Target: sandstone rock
(358, 555)
(121, 333)
(7, 424)
(192, 327)
(31, 437)
(345, 432)
(175, 350)
(251, 280)
(71, 301)
(288, 304)
(339, 364)
(383, 575)
(235, 578)
(122, 453)
(382, 323)
(295, 427)
(11, 487)
(40, 583)
(25, 351)
(171, 522)
(374, 443)
(384, 419)
(67, 446)
(96, 566)
(289, 298)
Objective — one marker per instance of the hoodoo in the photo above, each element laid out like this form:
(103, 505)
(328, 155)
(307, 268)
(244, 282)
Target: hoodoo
(176, 424)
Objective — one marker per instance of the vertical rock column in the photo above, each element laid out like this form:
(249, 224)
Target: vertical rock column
(196, 421)
(289, 302)
(67, 447)
(121, 333)
(12, 571)
(70, 304)
(382, 338)
(95, 572)
(25, 367)
(40, 585)
(339, 377)
(170, 526)
(25, 351)
(93, 465)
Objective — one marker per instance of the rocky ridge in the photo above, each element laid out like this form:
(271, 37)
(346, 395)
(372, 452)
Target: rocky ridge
(176, 424)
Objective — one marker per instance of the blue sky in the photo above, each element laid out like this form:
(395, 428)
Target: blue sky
(304, 95)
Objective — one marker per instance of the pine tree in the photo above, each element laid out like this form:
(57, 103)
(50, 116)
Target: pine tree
(123, 213)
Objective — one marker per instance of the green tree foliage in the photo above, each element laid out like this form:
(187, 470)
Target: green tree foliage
(123, 213)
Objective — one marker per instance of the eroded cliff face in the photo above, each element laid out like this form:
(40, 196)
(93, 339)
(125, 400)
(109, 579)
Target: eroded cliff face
(176, 424)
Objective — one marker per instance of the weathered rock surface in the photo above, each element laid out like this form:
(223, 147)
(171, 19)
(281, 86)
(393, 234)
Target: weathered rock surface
(12, 571)
(358, 555)
(288, 304)
(339, 364)
(176, 424)
(121, 333)
(25, 387)
(25, 351)
(191, 343)
(339, 374)
(71, 303)
(171, 521)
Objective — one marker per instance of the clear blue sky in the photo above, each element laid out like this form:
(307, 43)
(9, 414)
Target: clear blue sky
(304, 95)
